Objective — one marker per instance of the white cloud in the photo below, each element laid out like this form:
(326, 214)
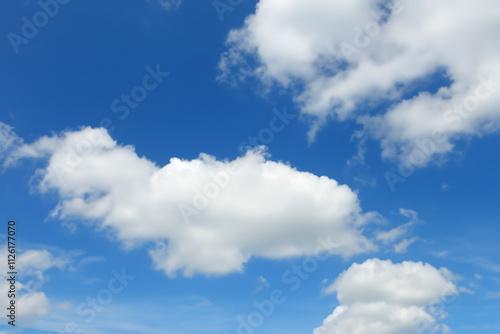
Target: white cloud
(262, 284)
(248, 207)
(34, 304)
(390, 237)
(8, 140)
(343, 58)
(263, 281)
(29, 304)
(35, 262)
(169, 4)
(409, 213)
(493, 295)
(402, 246)
(380, 297)
(65, 306)
(31, 266)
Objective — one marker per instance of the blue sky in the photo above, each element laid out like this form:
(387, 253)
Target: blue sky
(339, 113)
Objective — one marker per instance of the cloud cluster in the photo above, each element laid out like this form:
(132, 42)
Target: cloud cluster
(376, 61)
(381, 297)
(31, 267)
(202, 215)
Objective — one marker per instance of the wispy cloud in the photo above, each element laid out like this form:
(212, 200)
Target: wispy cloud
(168, 4)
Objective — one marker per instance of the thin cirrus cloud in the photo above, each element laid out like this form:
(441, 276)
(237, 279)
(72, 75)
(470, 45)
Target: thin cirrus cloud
(382, 297)
(343, 58)
(395, 236)
(200, 216)
(168, 4)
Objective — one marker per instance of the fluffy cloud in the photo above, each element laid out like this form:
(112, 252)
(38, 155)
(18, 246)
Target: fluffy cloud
(380, 297)
(347, 59)
(36, 262)
(202, 215)
(33, 304)
(31, 267)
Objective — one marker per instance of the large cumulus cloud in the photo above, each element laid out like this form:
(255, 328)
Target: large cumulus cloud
(381, 297)
(377, 61)
(202, 215)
